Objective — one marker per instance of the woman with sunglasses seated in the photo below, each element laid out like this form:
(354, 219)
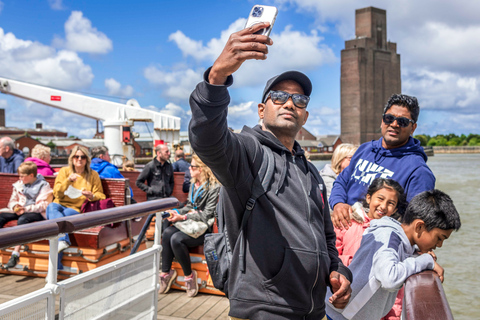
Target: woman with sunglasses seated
(201, 205)
(74, 184)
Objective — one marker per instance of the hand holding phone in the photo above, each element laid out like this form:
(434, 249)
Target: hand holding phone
(262, 14)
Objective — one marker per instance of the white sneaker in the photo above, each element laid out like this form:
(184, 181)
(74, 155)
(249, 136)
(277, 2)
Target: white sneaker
(62, 245)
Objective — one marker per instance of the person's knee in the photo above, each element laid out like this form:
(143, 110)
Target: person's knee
(23, 220)
(177, 239)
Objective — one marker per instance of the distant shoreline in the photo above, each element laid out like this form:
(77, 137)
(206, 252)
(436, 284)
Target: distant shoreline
(456, 149)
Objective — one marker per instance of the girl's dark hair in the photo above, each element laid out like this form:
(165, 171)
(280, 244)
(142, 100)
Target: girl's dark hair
(380, 183)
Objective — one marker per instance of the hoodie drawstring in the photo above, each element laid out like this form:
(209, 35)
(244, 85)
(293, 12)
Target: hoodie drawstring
(283, 175)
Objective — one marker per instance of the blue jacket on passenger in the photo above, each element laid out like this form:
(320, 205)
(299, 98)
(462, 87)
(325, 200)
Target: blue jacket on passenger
(181, 165)
(11, 164)
(406, 165)
(107, 170)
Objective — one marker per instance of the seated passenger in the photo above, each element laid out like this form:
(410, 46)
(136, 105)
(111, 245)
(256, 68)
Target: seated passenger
(129, 165)
(201, 204)
(10, 158)
(101, 164)
(340, 160)
(30, 197)
(73, 186)
(41, 157)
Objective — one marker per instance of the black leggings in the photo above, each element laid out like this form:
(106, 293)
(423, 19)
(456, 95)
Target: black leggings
(175, 243)
(27, 217)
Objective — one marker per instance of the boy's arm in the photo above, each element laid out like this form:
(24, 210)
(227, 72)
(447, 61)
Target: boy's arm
(13, 199)
(391, 272)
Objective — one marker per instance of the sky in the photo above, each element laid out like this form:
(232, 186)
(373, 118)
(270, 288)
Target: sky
(157, 51)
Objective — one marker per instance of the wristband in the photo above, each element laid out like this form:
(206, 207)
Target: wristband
(185, 217)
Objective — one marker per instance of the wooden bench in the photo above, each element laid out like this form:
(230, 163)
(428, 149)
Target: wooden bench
(90, 247)
(114, 189)
(140, 196)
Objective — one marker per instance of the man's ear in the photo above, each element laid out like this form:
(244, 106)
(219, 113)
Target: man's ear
(414, 126)
(306, 117)
(261, 110)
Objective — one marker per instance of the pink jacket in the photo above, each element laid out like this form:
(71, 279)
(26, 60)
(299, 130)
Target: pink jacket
(41, 202)
(348, 241)
(43, 167)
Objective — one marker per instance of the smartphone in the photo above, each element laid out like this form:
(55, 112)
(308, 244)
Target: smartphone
(262, 14)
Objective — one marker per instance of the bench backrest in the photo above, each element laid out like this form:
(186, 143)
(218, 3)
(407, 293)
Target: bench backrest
(140, 195)
(114, 189)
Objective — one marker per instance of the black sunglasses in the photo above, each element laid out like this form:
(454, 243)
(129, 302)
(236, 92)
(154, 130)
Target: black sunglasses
(80, 157)
(402, 121)
(299, 100)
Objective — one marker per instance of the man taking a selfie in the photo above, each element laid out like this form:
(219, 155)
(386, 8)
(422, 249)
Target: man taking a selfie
(290, 255)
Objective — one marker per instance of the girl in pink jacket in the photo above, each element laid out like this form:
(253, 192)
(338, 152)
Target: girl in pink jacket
(385, 197)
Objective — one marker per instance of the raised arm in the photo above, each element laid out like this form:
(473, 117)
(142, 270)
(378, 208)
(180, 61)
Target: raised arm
(208, 130)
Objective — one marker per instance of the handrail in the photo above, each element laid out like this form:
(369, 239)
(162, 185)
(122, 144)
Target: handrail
(425, 298)
(51, 228)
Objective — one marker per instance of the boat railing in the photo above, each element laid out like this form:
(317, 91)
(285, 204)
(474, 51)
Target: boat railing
(425, 298)
(123, 289)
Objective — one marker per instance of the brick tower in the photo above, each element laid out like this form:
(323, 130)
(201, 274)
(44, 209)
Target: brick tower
(370, 74)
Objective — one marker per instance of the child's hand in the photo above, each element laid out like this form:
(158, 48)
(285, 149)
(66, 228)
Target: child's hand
(434, 256)
(439, 270)
(19, 210)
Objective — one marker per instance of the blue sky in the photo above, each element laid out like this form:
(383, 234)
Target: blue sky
(156, 52)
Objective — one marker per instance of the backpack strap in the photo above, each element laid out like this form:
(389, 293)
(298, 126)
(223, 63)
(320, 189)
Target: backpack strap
(260, 186)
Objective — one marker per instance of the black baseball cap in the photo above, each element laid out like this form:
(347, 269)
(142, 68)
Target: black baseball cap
(296, 76)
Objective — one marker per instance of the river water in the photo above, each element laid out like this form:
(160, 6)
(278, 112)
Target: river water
(458, 175)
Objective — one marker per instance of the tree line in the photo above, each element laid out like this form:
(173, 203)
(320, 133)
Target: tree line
(449, 140)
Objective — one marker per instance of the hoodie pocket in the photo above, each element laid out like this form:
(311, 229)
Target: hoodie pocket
(293, 284)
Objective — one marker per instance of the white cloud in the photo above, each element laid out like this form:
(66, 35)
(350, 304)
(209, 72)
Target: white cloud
(82, 37)
(35, 62)
(212, 49)
(443, 91)
(243, 114)
(323, 120)
(177, 84)
(56, 4)
(3, 103)
(291, 50)
(115, 88)
(1, 6)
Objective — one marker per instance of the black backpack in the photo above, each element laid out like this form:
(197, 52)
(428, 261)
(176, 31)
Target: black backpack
(216, 247)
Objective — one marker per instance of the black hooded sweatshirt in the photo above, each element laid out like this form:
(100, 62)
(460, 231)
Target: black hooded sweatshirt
(290, 239)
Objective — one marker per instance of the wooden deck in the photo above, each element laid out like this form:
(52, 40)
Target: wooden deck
(174, 305)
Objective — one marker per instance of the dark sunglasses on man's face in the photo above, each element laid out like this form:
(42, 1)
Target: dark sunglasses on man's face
(80, 157)
(299, 100)
(402, 121)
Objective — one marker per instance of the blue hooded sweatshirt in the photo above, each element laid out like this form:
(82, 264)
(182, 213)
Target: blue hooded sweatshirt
(406, 165)
(11, 164)
(107, 170)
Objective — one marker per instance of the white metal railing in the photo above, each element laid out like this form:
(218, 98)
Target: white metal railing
(123, 289)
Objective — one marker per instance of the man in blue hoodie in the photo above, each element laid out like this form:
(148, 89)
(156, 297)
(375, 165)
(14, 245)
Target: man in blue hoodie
(396, 155)
(101, 164)
(10, 158)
